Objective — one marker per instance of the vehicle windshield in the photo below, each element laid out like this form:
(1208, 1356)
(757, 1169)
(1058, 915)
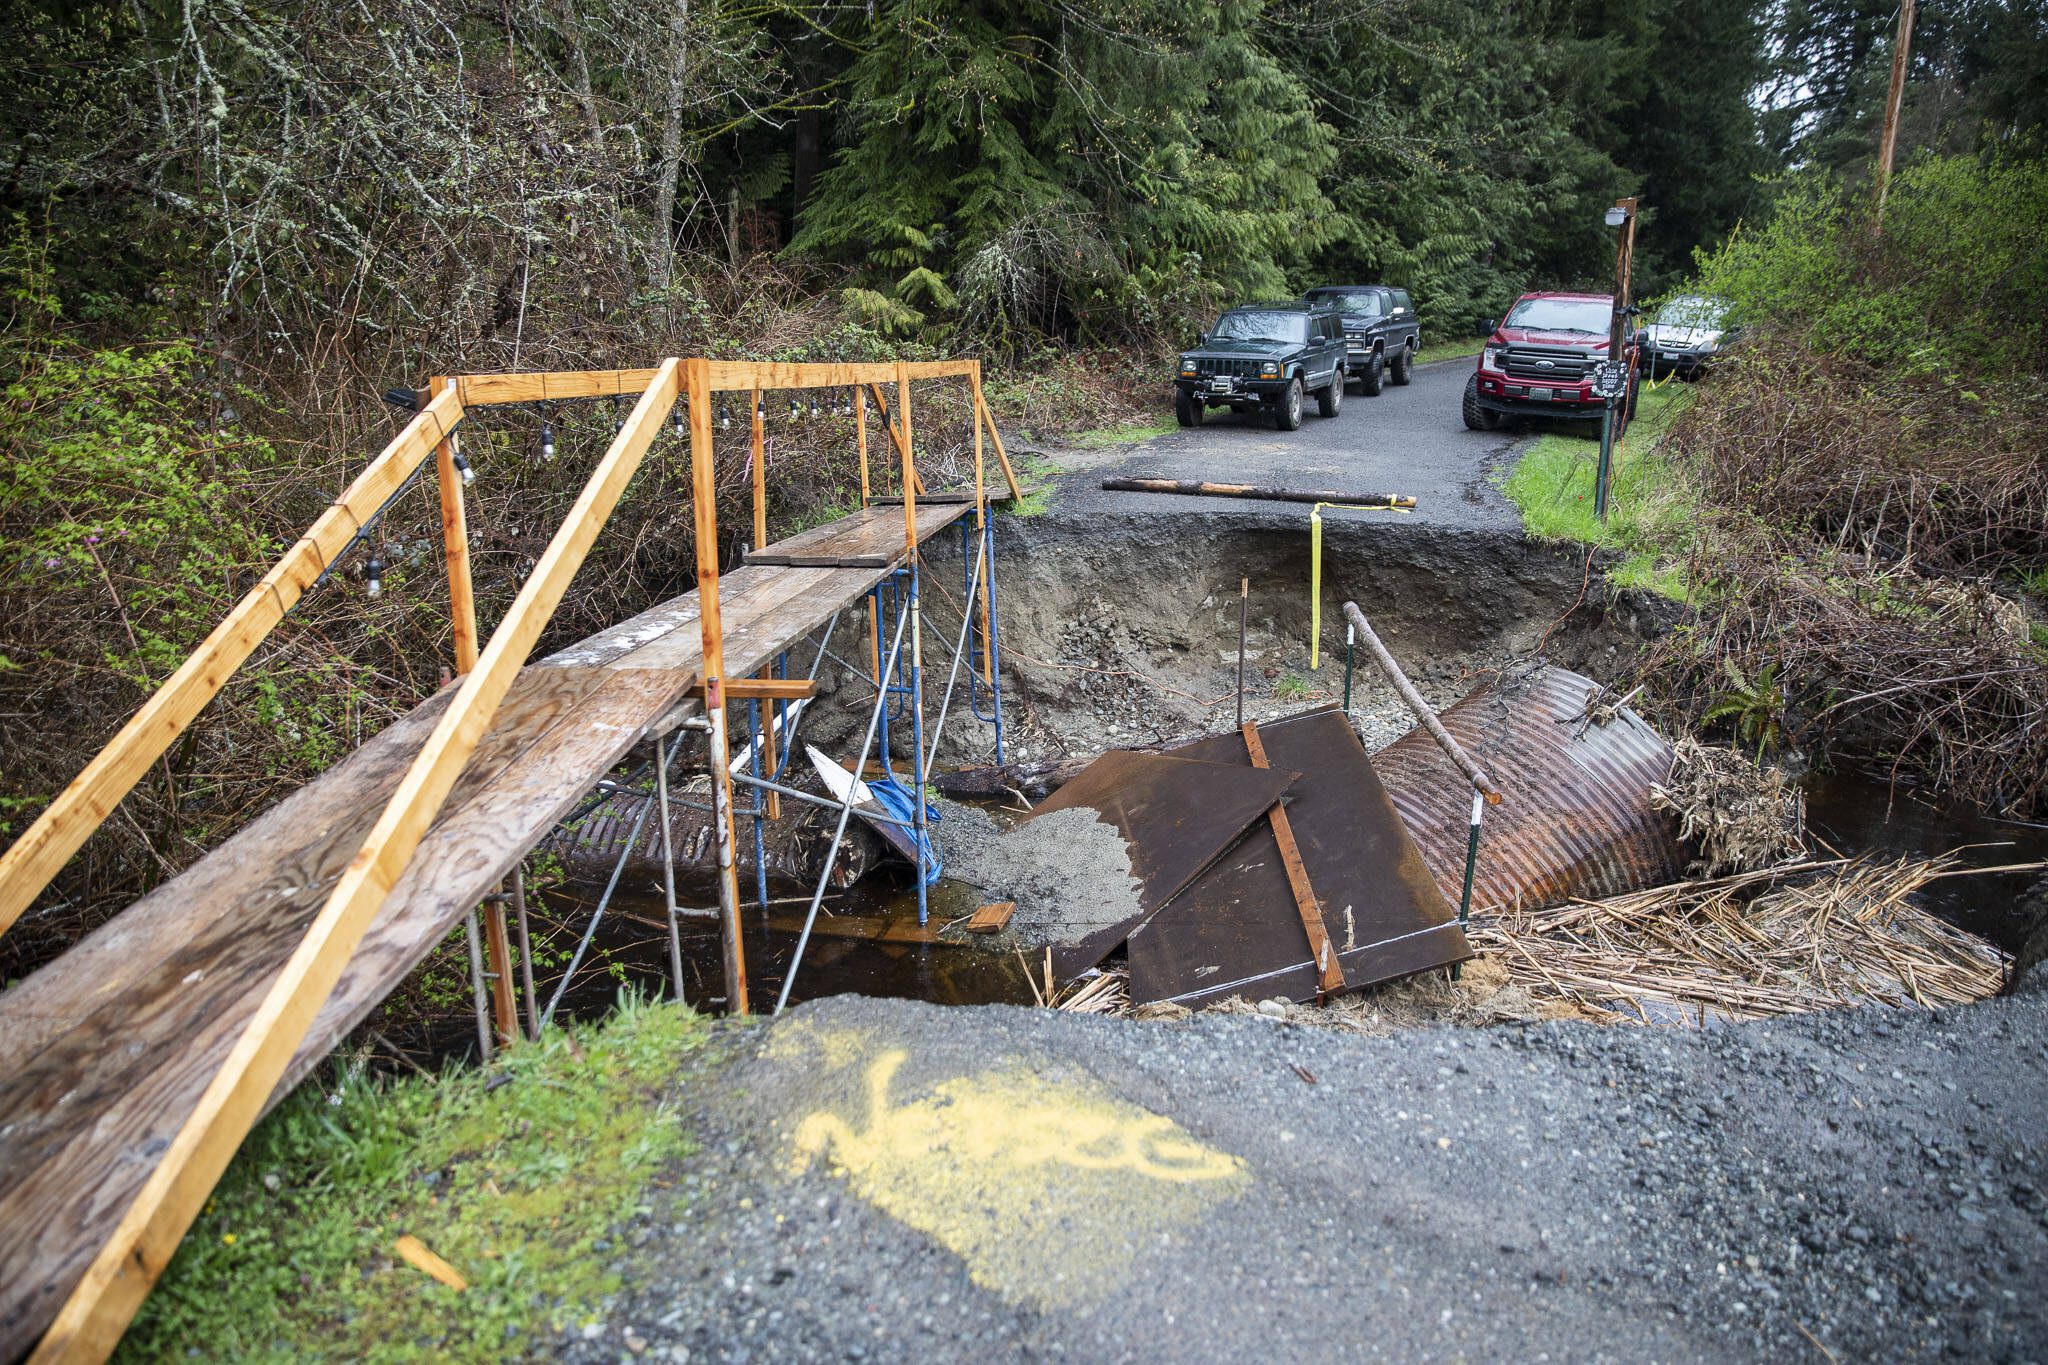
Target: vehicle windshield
(1692, 311)
(1251, 325)
(1362, 301)
(1562, 315)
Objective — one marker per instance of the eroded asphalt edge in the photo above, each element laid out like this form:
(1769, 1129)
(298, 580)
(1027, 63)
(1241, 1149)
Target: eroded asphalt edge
(1874, 1178)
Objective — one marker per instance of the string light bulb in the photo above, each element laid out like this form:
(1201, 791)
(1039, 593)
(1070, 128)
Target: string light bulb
(724, 416)
(795, 410)
(460, 461)
(547, 441)
(814, 407)
(373, 575)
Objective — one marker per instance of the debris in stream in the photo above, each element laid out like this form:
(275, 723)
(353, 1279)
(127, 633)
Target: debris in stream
(1739, 815)
(1801, 936)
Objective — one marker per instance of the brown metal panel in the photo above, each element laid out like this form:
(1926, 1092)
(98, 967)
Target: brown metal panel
(1235, 929)
(1176, 815)
(1575, 819)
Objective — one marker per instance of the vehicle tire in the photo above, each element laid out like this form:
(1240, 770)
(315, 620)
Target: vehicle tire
(1186, 410)
(1404, 365)
(1374, 377)
(1628, 402)
(1330, 397)
(1476, 417)
(1287, 412)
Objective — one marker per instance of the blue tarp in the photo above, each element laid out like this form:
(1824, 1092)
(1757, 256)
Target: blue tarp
(894, 798)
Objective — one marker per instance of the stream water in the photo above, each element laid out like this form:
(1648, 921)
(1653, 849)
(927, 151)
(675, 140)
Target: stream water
(1856, 812)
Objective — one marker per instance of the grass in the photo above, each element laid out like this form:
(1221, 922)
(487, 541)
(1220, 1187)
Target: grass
(1122, 434)
(1650, 502)
(1450, 350)
(1035, 477)
(515, 1174)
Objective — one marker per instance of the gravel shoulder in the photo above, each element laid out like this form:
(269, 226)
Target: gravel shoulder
(886, 1177)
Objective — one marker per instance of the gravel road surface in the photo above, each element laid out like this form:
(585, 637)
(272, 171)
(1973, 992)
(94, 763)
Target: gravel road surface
(895, 1180)
(1408, 440)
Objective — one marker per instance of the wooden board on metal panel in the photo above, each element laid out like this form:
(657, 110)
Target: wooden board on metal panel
(1236, 931)
(1176, 817)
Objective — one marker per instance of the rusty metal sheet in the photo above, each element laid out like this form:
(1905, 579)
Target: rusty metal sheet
(1575, 816)
(1177, 816)
(1236, 930)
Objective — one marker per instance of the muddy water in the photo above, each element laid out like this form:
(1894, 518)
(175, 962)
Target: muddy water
(1854, 812)
(631, 948)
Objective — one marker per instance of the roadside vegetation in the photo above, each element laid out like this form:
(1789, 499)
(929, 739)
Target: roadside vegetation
(518, 1176)
(1855, 505)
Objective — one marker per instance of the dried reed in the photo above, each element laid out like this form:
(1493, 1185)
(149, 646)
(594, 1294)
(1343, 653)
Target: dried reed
(1801, 936)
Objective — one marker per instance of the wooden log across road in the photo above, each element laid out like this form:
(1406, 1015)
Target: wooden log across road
(1204, 489)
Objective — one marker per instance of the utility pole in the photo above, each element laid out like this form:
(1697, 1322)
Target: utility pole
(1901, 52)
(1622, 216)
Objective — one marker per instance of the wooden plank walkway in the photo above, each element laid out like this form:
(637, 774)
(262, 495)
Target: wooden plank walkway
(871, 538)
(104, 1052)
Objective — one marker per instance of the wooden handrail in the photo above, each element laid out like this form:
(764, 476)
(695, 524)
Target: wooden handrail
(105, 1299)
(83, 806)
(721, 376)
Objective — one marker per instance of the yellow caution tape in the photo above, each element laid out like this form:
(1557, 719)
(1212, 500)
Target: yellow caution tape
(1315, 569)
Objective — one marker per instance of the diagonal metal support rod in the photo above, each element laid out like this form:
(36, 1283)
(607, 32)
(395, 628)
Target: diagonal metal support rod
(845, 813)
(604, 901)
(959, 649)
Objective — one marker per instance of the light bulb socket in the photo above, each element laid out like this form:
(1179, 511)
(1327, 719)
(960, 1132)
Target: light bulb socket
(547, 441)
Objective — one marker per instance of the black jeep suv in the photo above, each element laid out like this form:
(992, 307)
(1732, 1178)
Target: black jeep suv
(1381, 331)
(1264, 357)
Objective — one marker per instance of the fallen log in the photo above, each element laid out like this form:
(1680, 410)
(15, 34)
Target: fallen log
(1203, 488)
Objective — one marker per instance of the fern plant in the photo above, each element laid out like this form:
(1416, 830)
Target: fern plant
(1756, 705)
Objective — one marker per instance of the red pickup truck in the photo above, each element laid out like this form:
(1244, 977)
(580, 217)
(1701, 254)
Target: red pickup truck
(1539, 361)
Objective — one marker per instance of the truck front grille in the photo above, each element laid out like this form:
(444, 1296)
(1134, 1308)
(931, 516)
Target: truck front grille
(1243, 369)
(1546, 364)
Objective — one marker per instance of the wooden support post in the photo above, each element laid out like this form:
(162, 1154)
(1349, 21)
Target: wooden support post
(498, 954)
(860, 428)
(455, 543)
(1002, 456)
(107, 1295)
(705, 511)
(760, 477)
(912, 485)
(1329, 971)
(982, 604)
(40, 853)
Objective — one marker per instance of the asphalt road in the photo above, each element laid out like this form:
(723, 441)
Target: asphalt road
(1409, 440)
(893, 1180)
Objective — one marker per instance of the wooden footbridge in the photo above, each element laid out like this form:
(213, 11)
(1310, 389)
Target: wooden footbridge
(132, 1067)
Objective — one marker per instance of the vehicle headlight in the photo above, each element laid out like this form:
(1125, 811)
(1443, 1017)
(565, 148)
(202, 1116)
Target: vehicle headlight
(1269, 369)
(1187, 367)
(1491, 358)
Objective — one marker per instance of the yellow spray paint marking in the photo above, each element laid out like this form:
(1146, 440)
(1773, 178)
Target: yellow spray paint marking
(1046, 1191)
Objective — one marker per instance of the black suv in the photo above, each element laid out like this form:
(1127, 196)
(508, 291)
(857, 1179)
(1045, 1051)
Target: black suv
(1381, 331)
(1264, 356)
